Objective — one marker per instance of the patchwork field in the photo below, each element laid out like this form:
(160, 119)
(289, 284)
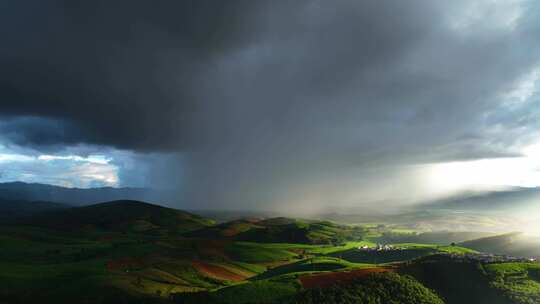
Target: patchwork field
(145, 260)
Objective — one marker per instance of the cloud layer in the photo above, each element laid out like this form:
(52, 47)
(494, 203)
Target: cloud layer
(275, 103)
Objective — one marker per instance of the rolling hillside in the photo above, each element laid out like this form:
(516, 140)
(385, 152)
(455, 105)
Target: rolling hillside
(122, 216)
(282, 230)
(135, 252)
(456, 281)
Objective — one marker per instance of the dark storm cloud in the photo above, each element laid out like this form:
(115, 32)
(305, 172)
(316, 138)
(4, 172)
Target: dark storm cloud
(119, 72)
(271, 100)
(43, 133)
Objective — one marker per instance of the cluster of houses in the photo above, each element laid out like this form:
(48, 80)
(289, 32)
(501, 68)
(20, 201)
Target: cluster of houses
(479, 257)
(380, 247)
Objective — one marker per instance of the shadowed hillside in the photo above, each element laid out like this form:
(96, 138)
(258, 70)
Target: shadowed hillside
(122, 216)
(11, 210)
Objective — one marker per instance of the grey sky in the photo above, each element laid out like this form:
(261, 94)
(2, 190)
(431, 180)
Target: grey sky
(303, 104)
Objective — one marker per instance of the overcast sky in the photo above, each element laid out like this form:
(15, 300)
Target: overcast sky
(261, 104)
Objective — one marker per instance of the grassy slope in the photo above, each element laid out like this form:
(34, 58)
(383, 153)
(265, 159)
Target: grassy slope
(121, 216)
(384, 288)
(260, 292)
(114, 255)
(49, 263)
(52, 279)
(148, 266)
(457, 282)
(316, 264)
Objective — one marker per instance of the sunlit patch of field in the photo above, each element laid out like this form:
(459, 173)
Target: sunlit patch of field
(445, 249)
(218, 272)
(310, 265)
(241, 270)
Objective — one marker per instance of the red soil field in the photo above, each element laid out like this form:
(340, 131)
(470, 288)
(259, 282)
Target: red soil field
(216, 272)
(230, 232)
(328, 279)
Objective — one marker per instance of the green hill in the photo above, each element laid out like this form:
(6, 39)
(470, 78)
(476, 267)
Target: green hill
(122, 216)
(377, 288)
(315, 264)
(464, 281)
(457, 281)
(282, 230)
(258, 292)
(519, 282)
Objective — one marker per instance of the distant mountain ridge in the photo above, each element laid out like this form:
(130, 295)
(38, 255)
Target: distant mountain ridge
(514, 243)
(20, 191)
